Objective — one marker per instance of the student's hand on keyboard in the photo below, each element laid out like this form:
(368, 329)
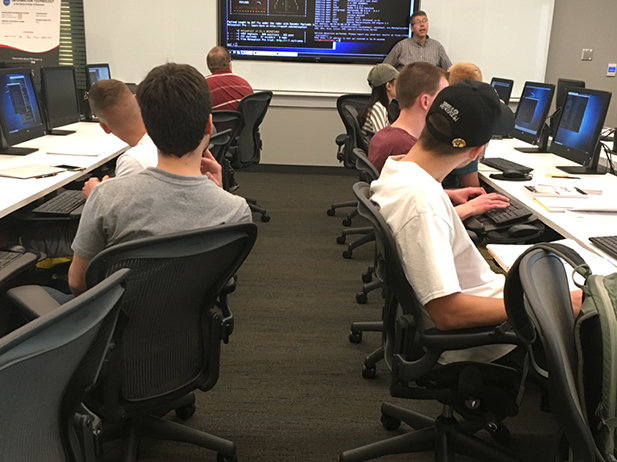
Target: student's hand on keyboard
(481, 204)
(211, 168)
(90, 184)
(462, 195)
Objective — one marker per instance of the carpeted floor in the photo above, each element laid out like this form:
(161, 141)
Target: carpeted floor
(290, 386)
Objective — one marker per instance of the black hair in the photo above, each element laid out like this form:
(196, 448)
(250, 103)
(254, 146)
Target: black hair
(175, 105)
(379, 94)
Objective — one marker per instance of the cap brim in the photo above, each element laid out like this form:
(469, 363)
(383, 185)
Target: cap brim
(506, 121)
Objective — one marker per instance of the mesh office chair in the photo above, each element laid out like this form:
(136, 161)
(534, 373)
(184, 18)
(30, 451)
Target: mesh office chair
(46, 367)
(539, 307)
(223, 121)
(483, 394)
(247, 150)
(348, 107)
(171, 343)
(219, 143)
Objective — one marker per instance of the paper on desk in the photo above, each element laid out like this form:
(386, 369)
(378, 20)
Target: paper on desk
(506, 254)
(90, 150)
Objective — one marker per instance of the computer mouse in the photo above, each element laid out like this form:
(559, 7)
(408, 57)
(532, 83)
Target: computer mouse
(522, 230)
(514, 174)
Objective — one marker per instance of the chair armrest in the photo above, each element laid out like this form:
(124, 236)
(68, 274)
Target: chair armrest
(32, 301)
(340, 139)
(437, 340)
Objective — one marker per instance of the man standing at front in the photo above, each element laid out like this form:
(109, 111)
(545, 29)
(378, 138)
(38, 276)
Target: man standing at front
(420, 47)
(227, 89)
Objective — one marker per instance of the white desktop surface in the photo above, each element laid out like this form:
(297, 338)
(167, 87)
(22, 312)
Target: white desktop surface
(575, 225)
(15, 193)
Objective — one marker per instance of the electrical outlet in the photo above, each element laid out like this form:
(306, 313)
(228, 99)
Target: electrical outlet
(587, 54)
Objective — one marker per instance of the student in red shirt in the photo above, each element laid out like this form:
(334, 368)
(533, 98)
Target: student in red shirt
(227, 89)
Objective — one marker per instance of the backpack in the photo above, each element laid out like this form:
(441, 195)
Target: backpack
(595, 336)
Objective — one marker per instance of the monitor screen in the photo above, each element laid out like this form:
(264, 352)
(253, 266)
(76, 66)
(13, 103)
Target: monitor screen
(59, 95)
(563, 85)
(20, 117)
(583, 116)
(313, 30)
(532, 110)
(503, 87)
(96, 72)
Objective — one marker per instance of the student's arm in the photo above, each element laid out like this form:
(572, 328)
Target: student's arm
(461, 311)
(77, 274)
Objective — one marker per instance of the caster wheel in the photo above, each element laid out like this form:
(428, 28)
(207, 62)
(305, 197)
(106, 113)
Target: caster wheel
(185, 412)
(346, 222)
(369, 372)
(501, 434)
(330, 212)
(347, 254)
(355, 337)
(265, 218)
(367, 277)
(341, 239)
(223, 458)
(361, 298)
(390, 423)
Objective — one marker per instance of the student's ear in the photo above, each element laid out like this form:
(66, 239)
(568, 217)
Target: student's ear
(425, 102)
(105, 128)
(209, 126)
(475, 153)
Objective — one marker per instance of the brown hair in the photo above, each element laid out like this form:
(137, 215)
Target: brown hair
(461, 71)
(105, 94)
(218, 58)
(175, 106)
(416, 79)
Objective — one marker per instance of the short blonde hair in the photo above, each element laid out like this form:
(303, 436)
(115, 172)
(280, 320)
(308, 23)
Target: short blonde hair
(461, 71)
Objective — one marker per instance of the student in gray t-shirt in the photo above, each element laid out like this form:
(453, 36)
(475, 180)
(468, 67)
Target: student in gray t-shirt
(182, 193)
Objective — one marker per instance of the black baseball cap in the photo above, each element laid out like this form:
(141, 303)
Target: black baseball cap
(474, 113)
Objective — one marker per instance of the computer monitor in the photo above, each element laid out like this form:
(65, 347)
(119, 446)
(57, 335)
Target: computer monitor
(529, 121)
(96, 72)
(20, 117)
(59, 98)
(578, 133)
(563, 85)
(503, 87)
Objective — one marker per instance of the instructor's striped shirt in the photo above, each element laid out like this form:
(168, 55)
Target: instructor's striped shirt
(227, 90)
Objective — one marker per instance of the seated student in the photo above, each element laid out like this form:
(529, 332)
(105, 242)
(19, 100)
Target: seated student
(417, 86)
(468, 175)
(179, 194)
(118, 113)
(452, 281)
(374, 115)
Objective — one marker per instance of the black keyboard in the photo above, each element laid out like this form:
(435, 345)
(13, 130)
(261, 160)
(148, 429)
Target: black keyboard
(512, 213)
(606, 243)
(504, 164)
(63, 204)
(12, 263)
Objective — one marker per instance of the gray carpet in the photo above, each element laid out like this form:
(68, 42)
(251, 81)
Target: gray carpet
(290, 386)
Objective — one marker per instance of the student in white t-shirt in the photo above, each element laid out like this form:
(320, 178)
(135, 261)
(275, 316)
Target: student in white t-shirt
(118, 113)
(451, 279)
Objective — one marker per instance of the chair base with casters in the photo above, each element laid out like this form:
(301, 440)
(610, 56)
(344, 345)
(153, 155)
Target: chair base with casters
(368, 236)
(337, 205)
(257, 209)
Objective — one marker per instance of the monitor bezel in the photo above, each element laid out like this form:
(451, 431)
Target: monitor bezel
(562, 87)
(525, 136)
(63, 120)
(25, 134)
(91, 66)
(565, 152)
(510, 84)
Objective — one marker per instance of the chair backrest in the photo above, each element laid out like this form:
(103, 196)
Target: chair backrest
(46, 367)
(400, 298)
(365, 165)
(253, 108)
(349, 107)
(224, 120)
(546, 321)
(171, 341)
(219, 143)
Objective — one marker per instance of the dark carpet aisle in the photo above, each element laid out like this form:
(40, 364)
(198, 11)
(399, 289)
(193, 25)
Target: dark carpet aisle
(290, 386)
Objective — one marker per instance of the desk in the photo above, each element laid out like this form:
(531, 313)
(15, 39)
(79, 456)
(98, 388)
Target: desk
(577, 226)
(15, 193)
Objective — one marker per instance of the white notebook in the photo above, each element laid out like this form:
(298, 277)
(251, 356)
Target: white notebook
(89, 150)
(31, 171)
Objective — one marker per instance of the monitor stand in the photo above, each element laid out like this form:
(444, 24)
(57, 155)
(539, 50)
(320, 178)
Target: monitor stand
(583, 170)
(17, 151)
(542, 147)
(55, 131)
